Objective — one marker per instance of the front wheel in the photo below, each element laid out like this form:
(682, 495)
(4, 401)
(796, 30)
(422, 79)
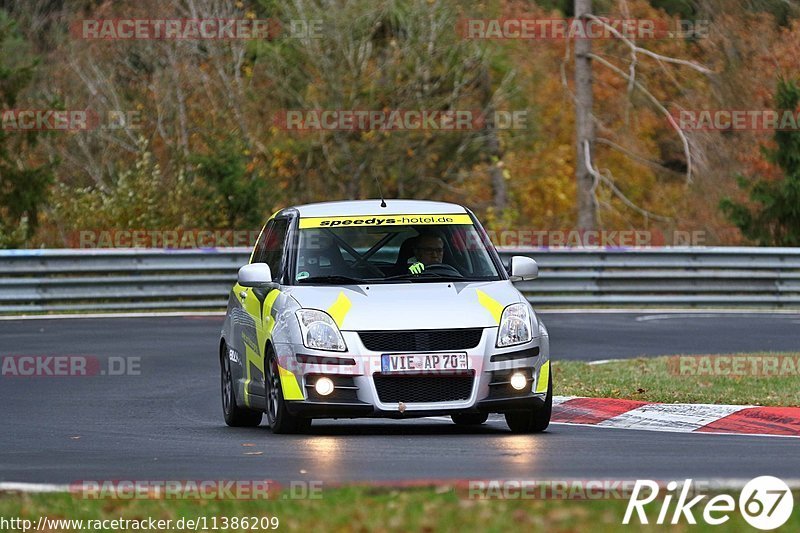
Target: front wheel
(534, 420)
(235, 416)
(278, 417)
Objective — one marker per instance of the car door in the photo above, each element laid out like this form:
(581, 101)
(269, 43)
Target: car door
(257, 304)
(244, 327)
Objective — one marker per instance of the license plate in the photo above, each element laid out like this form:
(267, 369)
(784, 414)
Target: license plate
(423, 362)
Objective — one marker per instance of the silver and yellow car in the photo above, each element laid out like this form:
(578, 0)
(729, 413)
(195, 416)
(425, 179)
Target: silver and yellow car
(393, 309)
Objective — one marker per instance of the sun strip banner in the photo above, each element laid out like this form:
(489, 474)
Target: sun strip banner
(384, 220)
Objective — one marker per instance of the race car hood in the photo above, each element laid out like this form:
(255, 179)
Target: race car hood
(410, 305)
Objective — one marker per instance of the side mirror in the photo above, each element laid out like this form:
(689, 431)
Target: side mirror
(523, 268)
(255, 275)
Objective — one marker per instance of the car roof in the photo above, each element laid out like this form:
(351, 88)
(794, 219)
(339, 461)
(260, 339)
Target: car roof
(373, 207)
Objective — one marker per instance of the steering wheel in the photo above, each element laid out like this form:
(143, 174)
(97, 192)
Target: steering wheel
(441, 268)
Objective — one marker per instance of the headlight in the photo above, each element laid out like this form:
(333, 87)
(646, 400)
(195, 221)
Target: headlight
(516, 326)
(319, 331)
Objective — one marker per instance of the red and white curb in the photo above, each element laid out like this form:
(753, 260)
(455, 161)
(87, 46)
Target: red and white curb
(678, 417)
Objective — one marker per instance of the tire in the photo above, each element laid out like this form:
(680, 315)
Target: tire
(533, 420)
(278, 417)
(235, 416)
(470, 419)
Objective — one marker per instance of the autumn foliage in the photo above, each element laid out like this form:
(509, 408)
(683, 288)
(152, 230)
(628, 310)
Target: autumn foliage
(199, 146)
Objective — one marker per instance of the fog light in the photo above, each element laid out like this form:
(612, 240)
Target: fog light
(518, 380)
(324, 386)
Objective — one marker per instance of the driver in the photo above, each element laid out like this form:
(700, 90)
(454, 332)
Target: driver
(428, 250)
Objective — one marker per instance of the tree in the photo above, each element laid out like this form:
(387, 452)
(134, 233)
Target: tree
(23, 187)
(584, 124)
(387, 55)
(775, 220)
(237, 185)
(591, 180)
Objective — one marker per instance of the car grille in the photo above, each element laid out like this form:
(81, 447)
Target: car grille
(408, 389)
(430, 340)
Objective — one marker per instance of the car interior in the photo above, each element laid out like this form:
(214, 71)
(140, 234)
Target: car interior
(365, 253)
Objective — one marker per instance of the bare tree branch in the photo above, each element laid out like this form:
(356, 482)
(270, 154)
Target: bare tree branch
(686, 148)
(644, 51)
(656, 165)
(608, 179)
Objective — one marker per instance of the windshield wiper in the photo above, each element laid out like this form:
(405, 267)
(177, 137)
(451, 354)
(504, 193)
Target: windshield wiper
(428, 276)
(332, 279)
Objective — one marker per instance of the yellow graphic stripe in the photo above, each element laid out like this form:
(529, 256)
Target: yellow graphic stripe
(383, 220)
(544, 378)
(269, 301)
(289, 382)
(491, 305)
(263, 333)
(340, 308)
(251, 357)
(290, 386)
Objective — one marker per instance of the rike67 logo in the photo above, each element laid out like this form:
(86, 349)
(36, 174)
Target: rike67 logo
(765, 502)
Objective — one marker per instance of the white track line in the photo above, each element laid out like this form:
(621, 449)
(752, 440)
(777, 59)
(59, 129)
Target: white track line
(651, 311)
(32, 487)
(154, 314)
(671, 316)
(648, 314)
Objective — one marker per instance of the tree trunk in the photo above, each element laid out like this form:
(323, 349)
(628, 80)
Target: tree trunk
(493, 147)
(584, 123)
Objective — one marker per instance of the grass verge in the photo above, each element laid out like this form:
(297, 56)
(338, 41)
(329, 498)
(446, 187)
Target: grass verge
(686, 379)
(366, 509)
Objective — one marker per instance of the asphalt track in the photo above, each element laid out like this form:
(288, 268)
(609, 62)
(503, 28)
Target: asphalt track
(166, 423)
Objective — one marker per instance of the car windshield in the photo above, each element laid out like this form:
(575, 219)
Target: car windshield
(396, 253)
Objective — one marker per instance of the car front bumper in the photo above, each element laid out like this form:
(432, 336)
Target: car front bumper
(334, 409)
(358, 380)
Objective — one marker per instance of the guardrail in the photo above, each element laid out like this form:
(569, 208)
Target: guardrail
(34, 281)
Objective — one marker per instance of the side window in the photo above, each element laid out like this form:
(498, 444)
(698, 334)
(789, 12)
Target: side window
(273, 247)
